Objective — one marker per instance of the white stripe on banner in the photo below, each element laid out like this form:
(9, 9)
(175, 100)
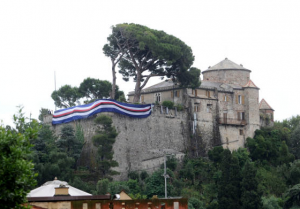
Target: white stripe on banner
(103, 105)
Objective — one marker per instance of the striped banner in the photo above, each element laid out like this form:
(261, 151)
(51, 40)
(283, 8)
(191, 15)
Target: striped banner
(103, 105)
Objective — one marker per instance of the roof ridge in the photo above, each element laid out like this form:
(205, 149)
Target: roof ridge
(250, 84)
(261, 102)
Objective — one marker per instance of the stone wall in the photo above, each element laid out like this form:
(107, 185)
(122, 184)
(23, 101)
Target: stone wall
(141, 143)
(240, 77)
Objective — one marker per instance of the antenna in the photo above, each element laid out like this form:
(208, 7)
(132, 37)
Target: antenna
(55, 85)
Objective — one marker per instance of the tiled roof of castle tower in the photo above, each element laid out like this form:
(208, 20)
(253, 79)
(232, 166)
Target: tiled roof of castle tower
(263, 105)
(250, 84)
(226, 64)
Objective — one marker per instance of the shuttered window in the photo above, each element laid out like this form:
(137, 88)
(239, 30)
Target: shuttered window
(208, 94)
(239, 99)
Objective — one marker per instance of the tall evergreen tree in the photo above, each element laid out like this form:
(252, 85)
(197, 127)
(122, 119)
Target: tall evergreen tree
(104, 140)
(229, 186)
(250, 198)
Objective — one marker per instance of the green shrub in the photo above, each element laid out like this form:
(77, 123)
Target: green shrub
(179, 107)
(168, 104)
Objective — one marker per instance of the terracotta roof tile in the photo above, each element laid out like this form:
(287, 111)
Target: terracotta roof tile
(250, 84)
(263, 105)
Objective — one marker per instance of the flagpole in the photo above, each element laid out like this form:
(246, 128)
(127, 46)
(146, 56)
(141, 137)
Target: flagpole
(55, 85)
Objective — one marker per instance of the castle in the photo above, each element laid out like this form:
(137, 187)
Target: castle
(225, 108)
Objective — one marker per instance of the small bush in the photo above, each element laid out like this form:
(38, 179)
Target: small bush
(144, 175)
(168, 104)
(179, 107)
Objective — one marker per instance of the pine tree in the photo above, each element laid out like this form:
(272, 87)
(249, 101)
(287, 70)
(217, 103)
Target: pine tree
(229, 189)
(104, 140)
(250, 198)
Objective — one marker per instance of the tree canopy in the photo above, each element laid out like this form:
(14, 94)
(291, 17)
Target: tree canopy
(65, 96)
(150, 53)
(90, 89)
(16, 171)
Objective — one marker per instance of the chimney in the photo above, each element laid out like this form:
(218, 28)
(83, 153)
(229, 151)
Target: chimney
(62, 190)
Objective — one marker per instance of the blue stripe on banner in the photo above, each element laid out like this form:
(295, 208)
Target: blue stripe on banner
(141, 112)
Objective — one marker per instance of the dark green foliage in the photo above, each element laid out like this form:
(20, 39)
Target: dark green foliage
(190, 78)
(180, 107)
(215, 154)
(284, 155)
(134, 186)
(144, 175)
(196, 203)
(133, 175)
(82, 185)
(102, 186)
(243, 155)
(271, 202)
(171, 163)
(66, 96)
(116, 187)
(104, 140)
(293, 197)
(229, 186)
(43, 112)
(60, 166)
(148, 53)
(270, 181)
(168, 104)
(267, 146)
(17, 176)
(250, 197)
(79, 134)
(68, 143)
(155, 184)
(295, 142)
(92, 89)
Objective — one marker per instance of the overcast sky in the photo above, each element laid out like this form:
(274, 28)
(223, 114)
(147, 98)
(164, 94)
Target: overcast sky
(40, 37)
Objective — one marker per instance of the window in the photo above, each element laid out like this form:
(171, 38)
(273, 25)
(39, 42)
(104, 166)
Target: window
(241, 116)
(239, 99)
(241, 132)
(225, 117)
(176, 205)
(175, 93)
(84, 206)
(208, 94)
(196, 108)
(208, 107)
(225, 98)
(157, 97)
(98, 205)
(196, 93)
(142, 98)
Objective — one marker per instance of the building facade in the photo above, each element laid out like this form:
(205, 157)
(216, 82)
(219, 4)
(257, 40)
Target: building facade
(224, 110)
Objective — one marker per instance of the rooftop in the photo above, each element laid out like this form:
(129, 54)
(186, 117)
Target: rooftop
(263, 105)
(250, 84)
(226, 64)
(48, 189)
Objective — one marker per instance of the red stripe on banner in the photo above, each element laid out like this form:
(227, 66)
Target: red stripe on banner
(73, 111)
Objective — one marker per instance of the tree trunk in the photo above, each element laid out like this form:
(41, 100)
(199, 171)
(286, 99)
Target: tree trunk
(137, 90)
(113, 88)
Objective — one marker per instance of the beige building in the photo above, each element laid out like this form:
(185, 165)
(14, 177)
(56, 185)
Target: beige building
(224, 110)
